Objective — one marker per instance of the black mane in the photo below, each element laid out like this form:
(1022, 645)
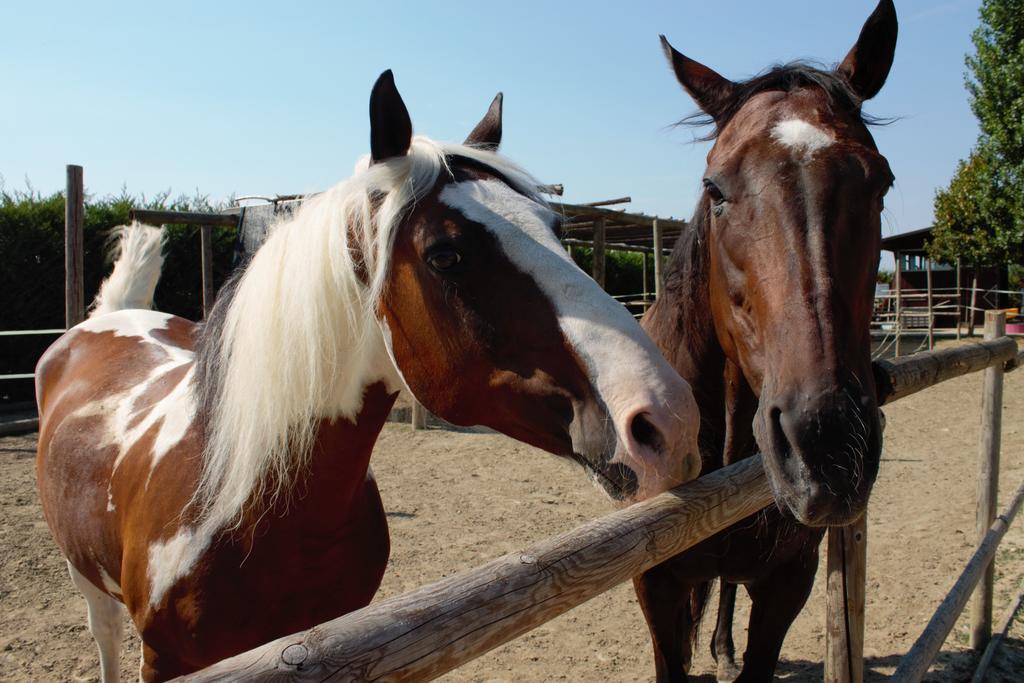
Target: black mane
(785, 78)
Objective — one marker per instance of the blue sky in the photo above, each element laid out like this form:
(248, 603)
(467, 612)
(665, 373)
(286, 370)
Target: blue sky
(259, 97)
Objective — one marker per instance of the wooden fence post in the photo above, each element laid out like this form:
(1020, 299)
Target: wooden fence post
(598, 266)
(931, 313)
(419, 415)
(959, 299)
(988, 479)
(206, 249)
(643, 276)
(844, 602)
(659, 270)
(74, 225)
(899, 303)
(974, 300)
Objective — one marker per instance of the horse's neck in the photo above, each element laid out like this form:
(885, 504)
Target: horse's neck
(682, 326)
(338, 468)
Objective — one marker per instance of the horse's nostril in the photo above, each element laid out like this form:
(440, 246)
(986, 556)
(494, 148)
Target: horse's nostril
(645, 433)
(778, 434)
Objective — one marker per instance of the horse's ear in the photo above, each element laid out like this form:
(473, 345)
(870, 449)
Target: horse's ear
(710, 91)
(390, 126)
(487, 133)
(867, 64)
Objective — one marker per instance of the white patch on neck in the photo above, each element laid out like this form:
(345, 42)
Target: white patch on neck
(396, 381)
(801, 137)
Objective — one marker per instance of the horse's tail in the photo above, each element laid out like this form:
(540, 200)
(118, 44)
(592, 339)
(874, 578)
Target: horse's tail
(138, 249)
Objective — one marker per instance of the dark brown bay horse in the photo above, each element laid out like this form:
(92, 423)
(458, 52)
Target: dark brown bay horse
(766, 311)
(214, 479)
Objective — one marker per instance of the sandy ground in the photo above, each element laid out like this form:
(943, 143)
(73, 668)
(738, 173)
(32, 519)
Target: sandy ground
(456, 500)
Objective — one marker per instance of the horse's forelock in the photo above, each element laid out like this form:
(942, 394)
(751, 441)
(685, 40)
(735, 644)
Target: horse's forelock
(786, 78)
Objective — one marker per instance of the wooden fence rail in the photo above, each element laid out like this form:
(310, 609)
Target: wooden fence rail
(422, 634)
(915, 664)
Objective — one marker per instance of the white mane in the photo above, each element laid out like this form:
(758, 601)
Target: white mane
(300, 340)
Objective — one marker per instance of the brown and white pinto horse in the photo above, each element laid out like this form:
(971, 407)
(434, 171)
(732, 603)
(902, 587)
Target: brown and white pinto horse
(214, 479)
(766, 313)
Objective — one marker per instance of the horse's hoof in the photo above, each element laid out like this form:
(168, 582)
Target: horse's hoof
(727, 670)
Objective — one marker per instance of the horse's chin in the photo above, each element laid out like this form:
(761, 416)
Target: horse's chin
(618, 482)
(811, 502)
(810, 515)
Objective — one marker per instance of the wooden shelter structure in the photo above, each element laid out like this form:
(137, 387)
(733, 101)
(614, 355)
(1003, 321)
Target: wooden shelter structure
(602, 229)
(592, 225)
(932, 298)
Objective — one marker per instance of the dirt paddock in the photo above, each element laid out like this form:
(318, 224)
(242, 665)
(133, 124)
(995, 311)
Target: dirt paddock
(456, 500)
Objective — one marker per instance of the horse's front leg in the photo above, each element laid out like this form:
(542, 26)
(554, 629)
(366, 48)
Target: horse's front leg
(740, 407)
(665, 601)
(776, 600)
(722, 648)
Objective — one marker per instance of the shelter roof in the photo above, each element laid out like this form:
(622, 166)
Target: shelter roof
(907, 241)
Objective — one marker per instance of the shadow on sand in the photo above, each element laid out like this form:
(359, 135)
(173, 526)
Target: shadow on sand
(950, 665)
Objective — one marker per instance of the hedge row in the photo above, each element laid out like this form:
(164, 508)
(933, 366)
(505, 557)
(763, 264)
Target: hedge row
(32, 270)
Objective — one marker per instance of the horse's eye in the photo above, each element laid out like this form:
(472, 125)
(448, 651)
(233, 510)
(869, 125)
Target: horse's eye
(885, 191)
(444, 258)
(716, 195)
(717, 198)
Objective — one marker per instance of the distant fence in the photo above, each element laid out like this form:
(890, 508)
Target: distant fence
(949, 311)
(436, 628)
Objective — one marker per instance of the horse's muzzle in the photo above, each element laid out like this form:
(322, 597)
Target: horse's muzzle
(821, 453)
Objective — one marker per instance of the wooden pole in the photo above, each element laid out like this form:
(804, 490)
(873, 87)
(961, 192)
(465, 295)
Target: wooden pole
(423, 634)
(154, 217)
(659, 270)
(643, 274)
(986, 656)
(1004, 628)
(959, 299)
(609, 202)
(974, 300)
(844, 603)
(419, 415)
(915, 663)
(206, 250)
(609, 246)
(931, 314)
(899, 303)
(74, 237)
(988, 478)
(598, 266)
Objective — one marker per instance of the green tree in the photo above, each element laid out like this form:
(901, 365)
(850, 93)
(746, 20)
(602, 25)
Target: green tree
(974, 218)
(980, 216)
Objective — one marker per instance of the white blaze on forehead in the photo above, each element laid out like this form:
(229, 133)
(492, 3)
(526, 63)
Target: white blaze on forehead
(801, 136)
(621, 360)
